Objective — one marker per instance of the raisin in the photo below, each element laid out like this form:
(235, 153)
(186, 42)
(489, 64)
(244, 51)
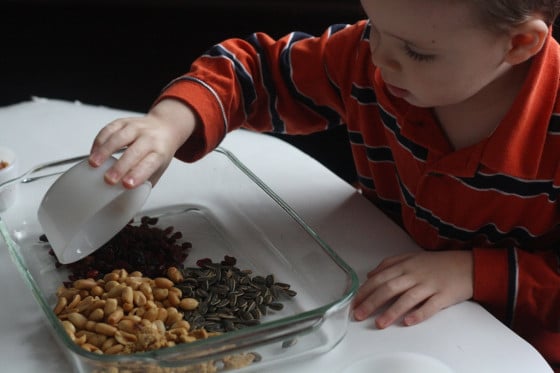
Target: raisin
(145, 248)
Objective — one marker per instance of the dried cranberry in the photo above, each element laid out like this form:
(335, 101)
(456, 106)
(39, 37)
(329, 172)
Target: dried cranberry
(204, 261)
(229, 260)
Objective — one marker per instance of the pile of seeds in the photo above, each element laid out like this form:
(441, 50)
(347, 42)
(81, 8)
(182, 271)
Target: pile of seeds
(145, 248)
(229, 298)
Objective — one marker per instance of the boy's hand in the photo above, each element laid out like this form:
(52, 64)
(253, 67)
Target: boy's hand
(418, 284)
(151, 143)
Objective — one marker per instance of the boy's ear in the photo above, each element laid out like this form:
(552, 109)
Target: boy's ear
(526, 40)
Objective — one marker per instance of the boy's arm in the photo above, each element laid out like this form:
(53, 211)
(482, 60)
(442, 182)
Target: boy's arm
(290, 85)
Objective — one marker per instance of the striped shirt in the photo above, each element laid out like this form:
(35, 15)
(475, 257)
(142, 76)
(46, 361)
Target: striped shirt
(498, 198)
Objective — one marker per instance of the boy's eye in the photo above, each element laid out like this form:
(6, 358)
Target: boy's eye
(417, 56)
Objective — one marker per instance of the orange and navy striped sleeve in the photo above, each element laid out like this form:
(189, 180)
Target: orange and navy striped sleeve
(253, 83)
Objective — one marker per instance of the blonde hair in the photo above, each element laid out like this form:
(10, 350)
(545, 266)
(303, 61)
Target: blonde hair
(504, 14)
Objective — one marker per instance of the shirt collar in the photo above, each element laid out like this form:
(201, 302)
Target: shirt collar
(517, 144)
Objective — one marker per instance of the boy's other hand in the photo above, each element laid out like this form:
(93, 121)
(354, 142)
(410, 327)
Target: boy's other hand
(415, 286)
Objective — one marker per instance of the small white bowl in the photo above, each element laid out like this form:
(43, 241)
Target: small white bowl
(8, 193)
(399, 362)
(81, 212)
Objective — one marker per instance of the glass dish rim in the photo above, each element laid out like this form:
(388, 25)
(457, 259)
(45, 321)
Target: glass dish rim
(304, 322)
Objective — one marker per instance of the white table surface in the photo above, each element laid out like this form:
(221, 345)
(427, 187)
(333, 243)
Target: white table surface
(465, 337)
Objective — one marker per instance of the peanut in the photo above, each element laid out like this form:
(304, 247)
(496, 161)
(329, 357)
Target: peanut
(85, 304)
(67, 293)
(127, 295)
(97, 291)
(127, 307)
(173, 315)
(105, 329)
(174, 299)
(133, 282)
(110, 284)
(78, 320)
(122, 273)
(69, 327)
(159, 325)
(96, 315)
(60, 305)
(91, 348)
(187, 338)
(98, 303)
(115, 317)
(109, 342)
(150, 314)
(127, 325)
(160, 294)
(87, 283)
(162, 314)
(115, 291)
(163, 283)
(111, 306)
(146, 289)
(75, 300)
(181, 324)
(135, 319)
(125, 338)
(176, 291)
(189, 304)
(114, 349)
(80, 340)
(174, 274)
(139, 298)
(111, 277)
(96, 339)
(90, 325)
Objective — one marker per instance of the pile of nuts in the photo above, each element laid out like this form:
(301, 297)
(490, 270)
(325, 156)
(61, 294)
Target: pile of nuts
(126, 313)
(125, 310)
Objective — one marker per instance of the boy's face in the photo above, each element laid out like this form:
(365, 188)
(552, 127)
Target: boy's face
(433, 53)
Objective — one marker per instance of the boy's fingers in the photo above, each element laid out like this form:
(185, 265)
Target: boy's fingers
(127, 162)
(381, 295)
(387, 263)
(404, 303)
(428, 309)
(151, 163)
(372, 283)
(106, 132)
(116, 135)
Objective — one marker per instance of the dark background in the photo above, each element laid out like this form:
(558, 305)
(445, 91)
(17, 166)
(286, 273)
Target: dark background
(120, 53)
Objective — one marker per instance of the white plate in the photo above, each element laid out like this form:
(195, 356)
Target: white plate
(402, 362)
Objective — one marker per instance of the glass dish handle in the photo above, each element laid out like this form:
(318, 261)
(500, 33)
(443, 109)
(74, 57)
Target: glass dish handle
(47, 169)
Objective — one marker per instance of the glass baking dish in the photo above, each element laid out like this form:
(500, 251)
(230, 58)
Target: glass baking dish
(222, 208)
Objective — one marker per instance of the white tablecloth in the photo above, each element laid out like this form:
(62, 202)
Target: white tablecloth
(465, 337)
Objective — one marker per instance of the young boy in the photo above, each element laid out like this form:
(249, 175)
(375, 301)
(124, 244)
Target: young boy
(453, 114)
